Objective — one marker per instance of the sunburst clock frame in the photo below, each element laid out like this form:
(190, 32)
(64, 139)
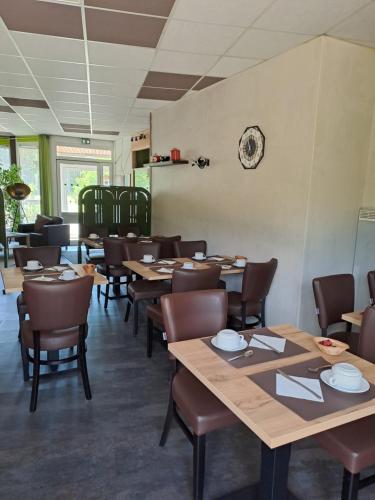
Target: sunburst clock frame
(251, 147)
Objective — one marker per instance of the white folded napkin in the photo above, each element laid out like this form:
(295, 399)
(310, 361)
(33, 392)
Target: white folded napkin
(285, 387)
(165, 270)
(218, 259)
(275, 342)
(42, 278)
(167, 262)
(56, 268)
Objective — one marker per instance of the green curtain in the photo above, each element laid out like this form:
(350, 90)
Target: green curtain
(45, 172)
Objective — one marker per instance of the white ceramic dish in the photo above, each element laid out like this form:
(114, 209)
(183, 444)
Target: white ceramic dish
(239, 267)
(70, 279)
(364, 387)
(241, 348)
(39, 268)
(148, 261)
(196, 258)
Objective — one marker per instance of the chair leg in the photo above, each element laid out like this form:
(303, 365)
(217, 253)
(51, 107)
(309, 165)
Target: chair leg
(150, 334)
(21, 317)
(243, 316)
(36, 368)
(25, 363)
(98, 292)
(135, 319)
(263, 313)
(199, 445)
(106, 296)
(128, 307)
(168, 419)
(350, 486)
(83, 368)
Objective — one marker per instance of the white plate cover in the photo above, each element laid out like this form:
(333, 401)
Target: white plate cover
(33, 269)
(241, 348)
(364, 387)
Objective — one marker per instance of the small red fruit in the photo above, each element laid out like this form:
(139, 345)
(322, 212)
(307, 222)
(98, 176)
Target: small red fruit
(326, 342)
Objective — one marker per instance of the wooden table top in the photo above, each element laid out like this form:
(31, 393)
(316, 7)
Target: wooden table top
(271, 421)
(13, 277)
(354, 317)
(92, 243)
(150, 274)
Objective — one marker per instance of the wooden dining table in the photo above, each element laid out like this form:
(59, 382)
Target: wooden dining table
(276, 425)
(149, 271)
(355, 317)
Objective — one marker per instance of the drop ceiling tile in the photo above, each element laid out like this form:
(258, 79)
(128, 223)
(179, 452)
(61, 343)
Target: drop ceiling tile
(228, 66)
(105, 88)
(57, 69)
(67, 97)
(75, 126)
(116, 75)
(32, 16)
(149, 103)
(50, 47)
(360, 26)
(105, 100)
(73, 119)
(12, 64)
(123, 56)
(23, 93)
(160, 94)
(106, 132)
(68, 106)
(30, 103)
(16, 80)
(170, 80)
(229, 12)
(158, 8)
(207, 81)
(309, 16)
(6, 44)
(62, 84)
(181, 62)
(126, 29)
(72, 113)
(140, 112)
(199, 38)
(261, 44)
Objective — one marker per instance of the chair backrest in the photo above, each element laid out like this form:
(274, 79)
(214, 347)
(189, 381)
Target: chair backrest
(334, 296)
(257, 280)
(186, 280)
(47, 256)
(124, 229)
(135, 251)
(188, 248)
(190, 315)
(366, 346)
(114, 252)
(167, 247)
(98, 229)
(58, 305)
(371, 286)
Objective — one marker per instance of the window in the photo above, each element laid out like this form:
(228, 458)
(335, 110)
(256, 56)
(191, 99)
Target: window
(142, 178)
(4, 153)
(28, 159)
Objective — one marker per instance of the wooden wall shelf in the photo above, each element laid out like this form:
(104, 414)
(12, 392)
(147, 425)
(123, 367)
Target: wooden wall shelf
(166, 163)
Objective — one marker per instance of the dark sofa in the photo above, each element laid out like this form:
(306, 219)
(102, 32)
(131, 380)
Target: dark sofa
(46, 231)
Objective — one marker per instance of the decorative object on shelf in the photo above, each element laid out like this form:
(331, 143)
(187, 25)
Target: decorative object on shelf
(138, 138)
(175, 154)
(201, 162)
(251, 147)
(156, 158)
(165, 158)
(18, 192)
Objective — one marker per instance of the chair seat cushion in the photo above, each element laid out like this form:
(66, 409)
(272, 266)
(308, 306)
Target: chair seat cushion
(49, 341)
(202, 410)
(352, 444)
(143, 289)
(351, 338)
(154, 312)
(116, 272)
(21, 304)
(235, 305)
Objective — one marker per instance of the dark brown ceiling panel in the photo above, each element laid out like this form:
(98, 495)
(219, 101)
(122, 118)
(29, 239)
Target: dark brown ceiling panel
(45, 18)
(75, 126)
(170, 80)
(151, 7)
(207, 81)
(6, 109)
(126, 29)
(27, 103)
(161, 94)
(105, 132)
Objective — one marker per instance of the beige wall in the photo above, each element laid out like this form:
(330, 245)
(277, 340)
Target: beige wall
(307, 102)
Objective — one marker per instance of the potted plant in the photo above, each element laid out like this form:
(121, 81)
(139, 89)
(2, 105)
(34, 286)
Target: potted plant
(10, 176)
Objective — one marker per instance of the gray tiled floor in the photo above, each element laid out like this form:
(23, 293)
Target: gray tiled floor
(108, 448)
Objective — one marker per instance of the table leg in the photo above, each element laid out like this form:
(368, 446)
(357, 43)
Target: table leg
(6, 253)
(79, 252)
(28, 241)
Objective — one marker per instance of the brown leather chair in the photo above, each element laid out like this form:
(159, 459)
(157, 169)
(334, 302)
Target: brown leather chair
(334, 296)
(354, 444)
(251, 301)
(142, 289)
(183, 280)
(188, 248)
(187, 316)
(371, 286)
(47, 256)
(124, 229)
(167, 250)
(113, 268)
(58, 320)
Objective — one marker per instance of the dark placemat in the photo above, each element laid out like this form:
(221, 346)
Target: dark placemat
(54, 277)
(225, 261)
(309, 410)
(260, 355)
(46, 271)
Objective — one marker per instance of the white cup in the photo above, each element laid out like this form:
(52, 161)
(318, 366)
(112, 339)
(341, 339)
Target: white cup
(346, 376)
(148, 258)
(229, 339)
(33, 264)
(93, 236)
(240, 262)
(199, 255)
(188, 265)
(68, 275)
(131, 235)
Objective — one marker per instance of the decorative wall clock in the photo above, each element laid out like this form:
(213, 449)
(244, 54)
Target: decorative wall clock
(251, 147)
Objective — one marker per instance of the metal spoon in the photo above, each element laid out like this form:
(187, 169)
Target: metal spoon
(246, 354)
(316, 370)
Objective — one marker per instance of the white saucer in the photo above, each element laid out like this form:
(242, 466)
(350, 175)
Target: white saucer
(33, 269)
(93, 238)
(199, 260)
(364, 387)
(70, 279)
(244, 344)
(148, 262)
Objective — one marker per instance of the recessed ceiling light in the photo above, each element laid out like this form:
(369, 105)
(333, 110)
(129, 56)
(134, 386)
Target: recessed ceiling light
(64, 2)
